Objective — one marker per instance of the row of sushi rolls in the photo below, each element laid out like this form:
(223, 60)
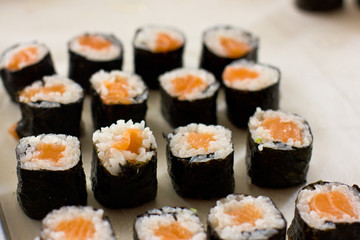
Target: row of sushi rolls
(199, 153)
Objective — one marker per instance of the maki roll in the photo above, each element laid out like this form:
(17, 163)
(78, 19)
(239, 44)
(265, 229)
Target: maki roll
(224, 44)
(200, 161)
(123, 171)
(169, 223)
(240, 216)
(117, 95)
(22, 64)
(72, 222)
(91, 52)
(188, 96)
(326, 211)
(279, 148)
(249, 85)
(157, 49)
(319, 5)
(52, 105)
(50, 174)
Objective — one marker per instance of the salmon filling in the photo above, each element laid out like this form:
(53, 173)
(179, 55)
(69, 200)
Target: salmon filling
(282, 130)
(31, 92)
(332, 204)
(12, 131)
(117, 92)
(50, 152)
(184, 86)
(165, 43)
(173, 231)
(200, 140)
(95, 42)
(234, 48)
(232, 74)
(247, 213)
(131, 141)
(26, 56)
(77, 229)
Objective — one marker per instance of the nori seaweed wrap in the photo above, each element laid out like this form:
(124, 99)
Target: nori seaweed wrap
(91, 52)
(249, 85)
(224, 44)
(53, 105)
(200, 161)
(319, 5)
(273, 158)
(188, 96)
(125, 97)
(157, 49)
(129, 179)
(260, 219)
(50, 174)
(312, 222)
(22, 64)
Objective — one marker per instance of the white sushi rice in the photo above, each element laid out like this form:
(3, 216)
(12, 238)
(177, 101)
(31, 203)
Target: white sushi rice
(135, 88)
(263, 136)
(224, 224)
(198, 93)
(72, 93)
(53, 219)
(146, 225)
(27, 152)
(42, 50)
(146, 37)
(267, 76)
(212, 39)
(313, 219)
(112, 158)
(220, 148)
(94, 54)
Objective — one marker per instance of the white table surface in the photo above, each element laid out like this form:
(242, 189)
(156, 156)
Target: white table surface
(318, 55)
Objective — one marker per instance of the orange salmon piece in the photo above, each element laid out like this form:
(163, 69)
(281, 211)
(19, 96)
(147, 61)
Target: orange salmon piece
(27, 55)
(28, 93)
(232, 74)
(186, 85)
(173, 231)
(282, 130)
(247, 213)
(131, 140)
(49, 151)
(117, 92)
(165, 42)
(95, 42)
(234, 48)
(77, 229)
(12, 131)
(332, 204)
(200, 140)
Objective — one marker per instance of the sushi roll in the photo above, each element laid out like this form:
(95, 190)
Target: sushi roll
(319, 5)
(249, 85)
(169, 223)
(224, 44)
(200, 161)
(50, 174)
(279, 148)
(91, 52)
(243, 217)
(23, 64)
(73, 222)
(188, 96)
(123, 170)
(326, 211)
(52, 105)
(157, 49)
(117, 95)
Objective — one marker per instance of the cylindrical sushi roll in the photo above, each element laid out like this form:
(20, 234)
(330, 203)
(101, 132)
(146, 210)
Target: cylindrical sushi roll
(188, 96)
(319, 5)
(91, 52)
(240, 216)
(124, 165)
(249, 85)
(169, 223)
(326, 211)
(22, 64)
(200, 161)
(279, 148)
(73, 222)
(52, 105)
(50, 174)
(157, 49)
(224, 44)
(117, 95)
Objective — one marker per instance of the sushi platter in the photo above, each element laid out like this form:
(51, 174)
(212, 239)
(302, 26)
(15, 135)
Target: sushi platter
(311, 56)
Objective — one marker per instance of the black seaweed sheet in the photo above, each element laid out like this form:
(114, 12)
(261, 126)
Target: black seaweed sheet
(319, 5)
